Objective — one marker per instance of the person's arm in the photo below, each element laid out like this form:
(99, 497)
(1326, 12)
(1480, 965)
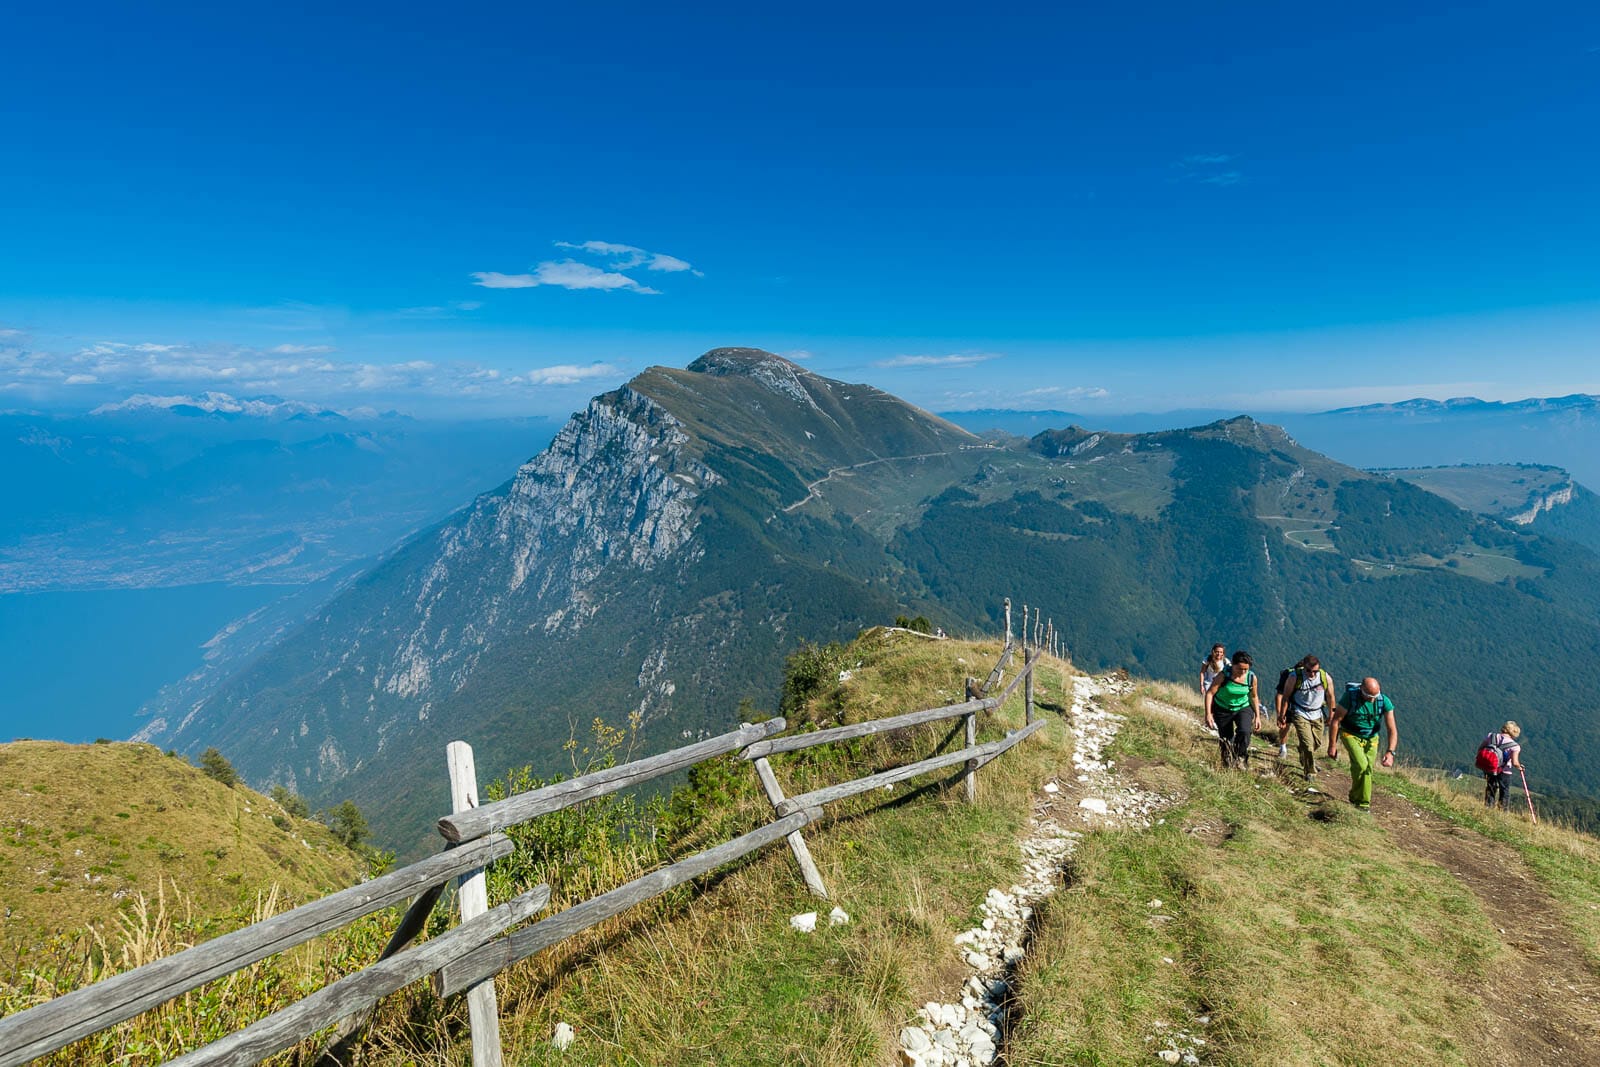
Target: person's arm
(1515, 756)
(1335, 717)
(1216, 683)
(1255, 695)
(1394, 737)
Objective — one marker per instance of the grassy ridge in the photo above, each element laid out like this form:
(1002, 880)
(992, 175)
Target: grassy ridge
(1302, 941)
(1271, 936)
(87, 827)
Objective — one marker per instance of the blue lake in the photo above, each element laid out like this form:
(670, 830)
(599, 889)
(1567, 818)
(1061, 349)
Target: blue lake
(76, 666)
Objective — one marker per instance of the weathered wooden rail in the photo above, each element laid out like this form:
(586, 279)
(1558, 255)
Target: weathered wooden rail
(466, 958)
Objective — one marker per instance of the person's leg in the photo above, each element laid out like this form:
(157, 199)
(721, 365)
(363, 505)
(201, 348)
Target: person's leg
(1491, 782)
(1308, 754)
(1227, 722)
(1303, 742)
(1504, 799)
(1360, 753)
(1242, 736)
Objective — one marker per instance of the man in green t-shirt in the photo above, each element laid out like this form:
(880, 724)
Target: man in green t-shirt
(1356, 721)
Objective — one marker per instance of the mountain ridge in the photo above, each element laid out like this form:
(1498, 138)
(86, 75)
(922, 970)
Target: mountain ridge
(685, 531)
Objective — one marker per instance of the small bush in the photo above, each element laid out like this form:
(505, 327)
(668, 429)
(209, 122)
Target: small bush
(216, 765)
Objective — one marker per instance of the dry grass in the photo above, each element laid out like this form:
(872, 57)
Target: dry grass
(1302, 941)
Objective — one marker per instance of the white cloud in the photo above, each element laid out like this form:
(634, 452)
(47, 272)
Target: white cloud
(960, 359)
(299, 350)
(567, 274)
(439, 311)
(1067, 392)
(799, 355)
(80, 379)
(629, 256)
(1209, 168)
(564, 374)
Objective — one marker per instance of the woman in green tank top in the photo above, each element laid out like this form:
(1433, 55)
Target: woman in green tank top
(1232, 704)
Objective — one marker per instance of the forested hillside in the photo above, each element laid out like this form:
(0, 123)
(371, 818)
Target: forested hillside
(683, 533)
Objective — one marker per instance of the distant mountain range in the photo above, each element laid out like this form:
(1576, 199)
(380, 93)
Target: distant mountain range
(1562, 431)
(684, 532)
(177, 490)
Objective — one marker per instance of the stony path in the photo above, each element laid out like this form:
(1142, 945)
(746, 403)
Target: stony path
(971, 1030)
(1543, 992)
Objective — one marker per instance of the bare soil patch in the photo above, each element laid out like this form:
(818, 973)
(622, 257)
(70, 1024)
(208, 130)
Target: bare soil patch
(1542, 993)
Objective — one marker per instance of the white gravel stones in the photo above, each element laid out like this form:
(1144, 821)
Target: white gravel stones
(968, 1032)
(563, 1037)
(805, 922)
(838, 917)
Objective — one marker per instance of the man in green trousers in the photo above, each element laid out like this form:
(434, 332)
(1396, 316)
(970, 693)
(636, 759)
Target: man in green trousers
(1356, 721)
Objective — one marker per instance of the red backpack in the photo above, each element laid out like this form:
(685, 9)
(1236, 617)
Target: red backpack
(1490, 759)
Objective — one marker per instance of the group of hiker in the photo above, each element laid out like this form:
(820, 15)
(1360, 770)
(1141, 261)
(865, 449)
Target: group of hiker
(1306, 705)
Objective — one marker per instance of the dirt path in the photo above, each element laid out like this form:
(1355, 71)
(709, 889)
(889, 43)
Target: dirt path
(1542, 992)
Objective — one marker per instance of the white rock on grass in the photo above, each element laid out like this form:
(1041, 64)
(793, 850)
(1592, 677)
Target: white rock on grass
(966, 1032)
(838, 917)
(563, 1037)
(805, 922)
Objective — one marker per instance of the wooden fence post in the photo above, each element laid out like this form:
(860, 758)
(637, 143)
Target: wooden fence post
(1027, 690)
(473, 891)
(797, 843)
(1008, 622)
(972, 739)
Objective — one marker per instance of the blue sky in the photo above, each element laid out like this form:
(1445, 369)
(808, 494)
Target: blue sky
(506, 209)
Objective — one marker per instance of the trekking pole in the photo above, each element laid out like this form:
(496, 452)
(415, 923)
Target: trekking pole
(1528, 796)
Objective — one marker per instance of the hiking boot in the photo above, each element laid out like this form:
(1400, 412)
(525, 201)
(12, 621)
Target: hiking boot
(1283, 751)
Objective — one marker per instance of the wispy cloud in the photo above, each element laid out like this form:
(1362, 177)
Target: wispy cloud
(439, 311)
(628, 256)
(565, 374)
(110, 371)
(959, 359)
(574, 274)
(1209, 168)
(1037, 398)
(566, 274)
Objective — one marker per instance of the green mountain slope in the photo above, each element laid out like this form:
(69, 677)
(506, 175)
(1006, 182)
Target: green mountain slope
(86, 828)
(1267, 546)
(684, 532)
(1541, 499)
(658, 559)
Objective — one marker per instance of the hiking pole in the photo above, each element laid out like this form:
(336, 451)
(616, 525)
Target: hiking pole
(1528, 796)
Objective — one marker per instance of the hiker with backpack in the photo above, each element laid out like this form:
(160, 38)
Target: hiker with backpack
(1214, 664)
(1232, 704)
(1305, 693)
(1498, 756)
(1357, 720)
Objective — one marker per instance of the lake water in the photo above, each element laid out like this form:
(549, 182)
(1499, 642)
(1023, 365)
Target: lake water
(76, 666)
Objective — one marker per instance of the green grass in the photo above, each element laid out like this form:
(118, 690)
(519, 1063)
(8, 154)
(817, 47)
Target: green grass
(1303, 940)
(719, 976)
(1566, 863)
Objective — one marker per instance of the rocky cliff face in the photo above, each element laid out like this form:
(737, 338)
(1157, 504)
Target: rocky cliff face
(621, 567)
(1544, 502)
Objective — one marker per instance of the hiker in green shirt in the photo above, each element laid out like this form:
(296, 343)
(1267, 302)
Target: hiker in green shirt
(1356, 722)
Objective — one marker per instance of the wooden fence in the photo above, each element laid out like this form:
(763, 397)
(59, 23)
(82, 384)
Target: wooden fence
(466, 958)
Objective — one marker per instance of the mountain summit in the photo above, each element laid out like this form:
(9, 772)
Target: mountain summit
(657, 558)
(683, 533)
